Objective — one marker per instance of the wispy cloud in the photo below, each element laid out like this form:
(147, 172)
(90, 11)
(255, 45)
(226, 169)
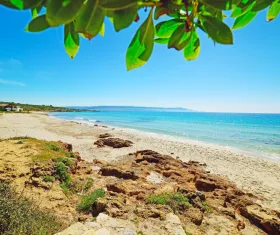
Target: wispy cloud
(8, 82)
(15, 62)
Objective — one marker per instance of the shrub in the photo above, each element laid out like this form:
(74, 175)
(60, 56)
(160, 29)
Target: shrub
(19, 138)
(49, 178)
(20, 216)
(61, 172)
(71, 155)
(175, 200)
(206, 207)
(88, 184)
(19, 142)
(65, 187)
(188, 233)
(53, 147)
(88, 200)
(66, 161)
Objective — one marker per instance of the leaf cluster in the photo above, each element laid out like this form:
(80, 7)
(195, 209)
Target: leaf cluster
(178, 29)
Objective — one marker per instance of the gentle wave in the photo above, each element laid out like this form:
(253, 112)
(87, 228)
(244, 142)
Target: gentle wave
(255, 133)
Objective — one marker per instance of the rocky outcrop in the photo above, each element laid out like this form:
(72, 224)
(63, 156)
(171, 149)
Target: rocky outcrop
(113, 142)
(262, 218)
(106, 225)
(117, 172)
(145, 193)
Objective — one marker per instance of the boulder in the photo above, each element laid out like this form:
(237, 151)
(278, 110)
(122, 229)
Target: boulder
(113, 142)
(205, 185)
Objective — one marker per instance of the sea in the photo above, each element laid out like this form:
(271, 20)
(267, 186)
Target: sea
(254, 134)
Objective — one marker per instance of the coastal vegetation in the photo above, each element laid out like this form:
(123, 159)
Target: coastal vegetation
(21, 216)
(37, 108)
(178, 26)
(88, 200)
(125, 194)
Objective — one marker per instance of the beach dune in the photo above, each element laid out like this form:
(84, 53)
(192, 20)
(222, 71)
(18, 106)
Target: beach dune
(252, 174)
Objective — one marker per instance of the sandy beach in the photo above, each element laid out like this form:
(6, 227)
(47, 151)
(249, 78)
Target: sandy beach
(256, 175)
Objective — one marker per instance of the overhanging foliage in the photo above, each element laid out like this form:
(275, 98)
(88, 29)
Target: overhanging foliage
(85, 18)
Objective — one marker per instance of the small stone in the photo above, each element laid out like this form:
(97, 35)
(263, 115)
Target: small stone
(171, 218)
(102, 231)
(106, 135)
(93, 225)
(129, 231)
(82, 218)
(102, 218)
(155, 178)
(96, 168)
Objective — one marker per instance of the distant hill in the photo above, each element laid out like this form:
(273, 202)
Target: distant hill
(131, 108)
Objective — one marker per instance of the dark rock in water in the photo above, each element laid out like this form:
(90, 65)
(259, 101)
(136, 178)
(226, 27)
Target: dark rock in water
(113, 142)
(106, 135)
(95, 125)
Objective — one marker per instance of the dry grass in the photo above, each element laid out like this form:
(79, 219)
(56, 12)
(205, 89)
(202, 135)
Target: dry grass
(20, 216)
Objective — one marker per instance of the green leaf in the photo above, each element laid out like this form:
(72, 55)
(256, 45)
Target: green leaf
(179, 39)
(90, 18)
(21, 4)
(162, 40)
(192, 50)
(159, 11)
(243, 7)
(62, 11)
(38, 24)
(166, 28)
(71, 40)
(141, 46)
(124, 18)
(102, 30)
(35, 11)
(261, 4)
(208, 10)
(273, 11)
(118, 5)
(221, 4)
(243, 20)
(217, 30)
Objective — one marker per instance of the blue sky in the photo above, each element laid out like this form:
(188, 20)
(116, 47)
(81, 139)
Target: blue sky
(245, 77)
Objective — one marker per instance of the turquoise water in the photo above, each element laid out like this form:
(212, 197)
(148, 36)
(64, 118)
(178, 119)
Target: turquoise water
(255, 133)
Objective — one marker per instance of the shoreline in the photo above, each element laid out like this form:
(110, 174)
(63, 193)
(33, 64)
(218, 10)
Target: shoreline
(261, 155)
(252, 174)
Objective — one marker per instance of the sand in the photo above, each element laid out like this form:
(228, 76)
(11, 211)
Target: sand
(252, 174)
